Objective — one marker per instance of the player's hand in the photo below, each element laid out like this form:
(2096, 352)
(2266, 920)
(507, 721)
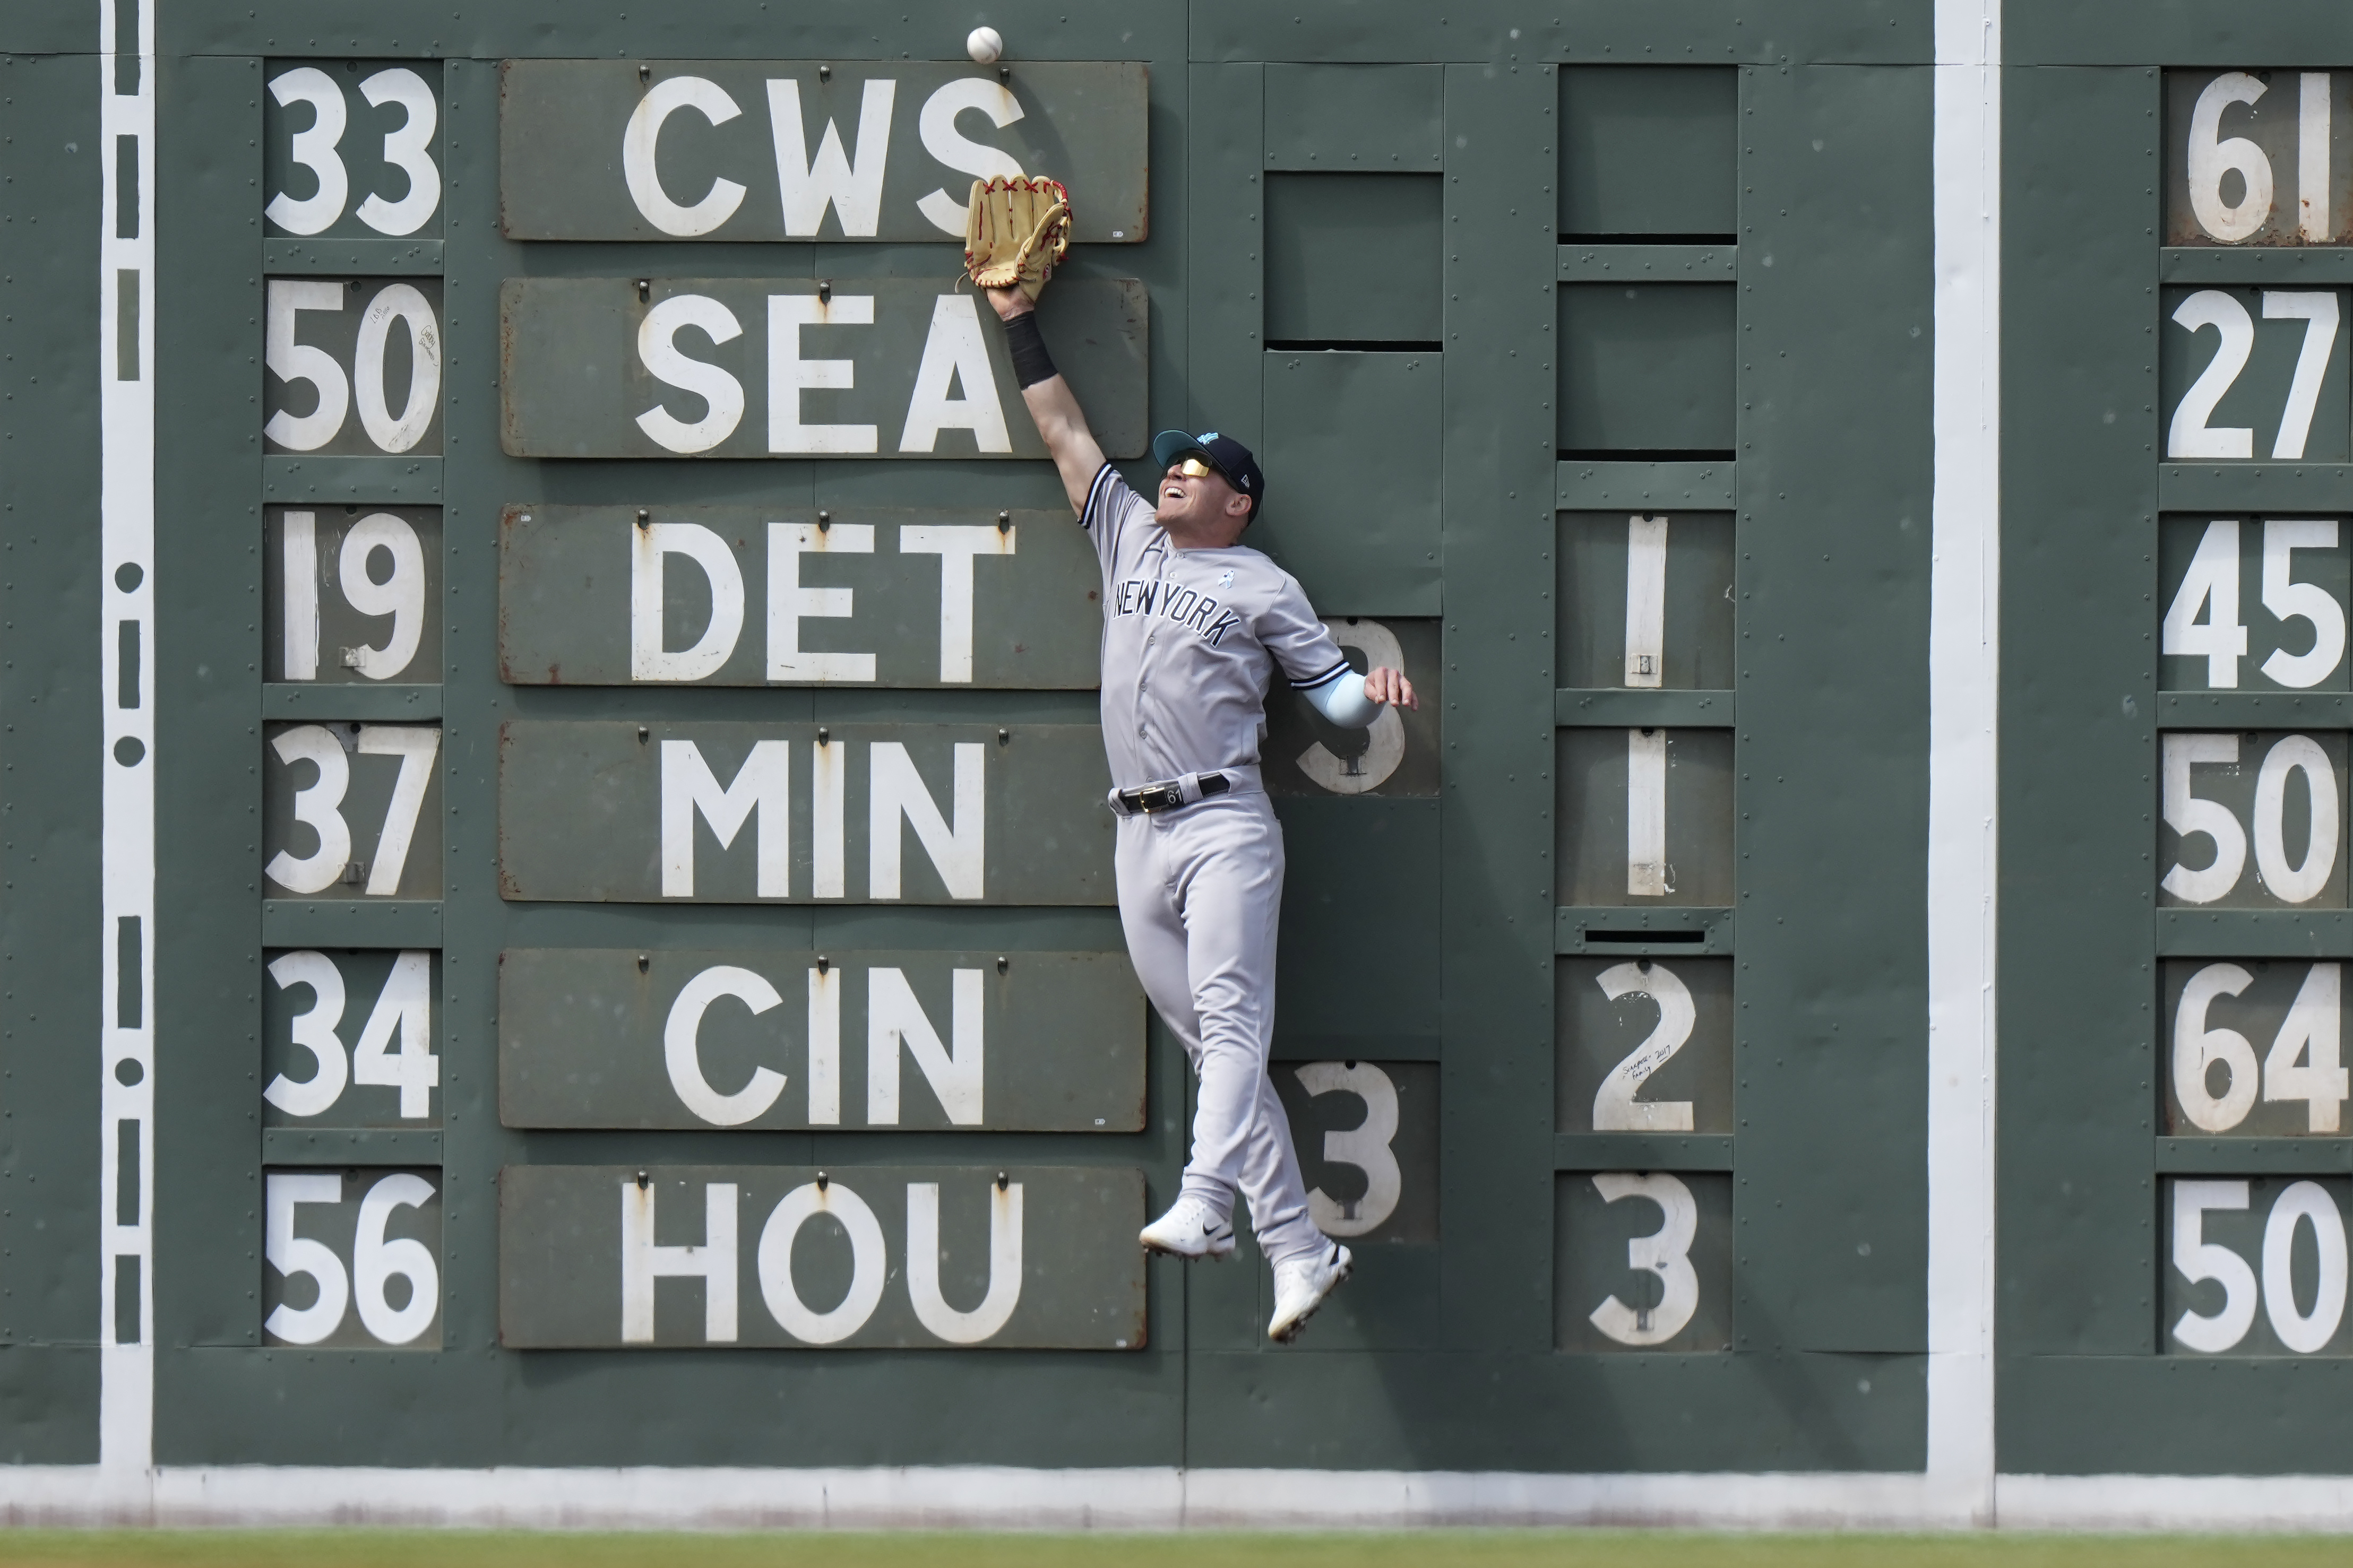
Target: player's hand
(1391, 686)
(1011, 303)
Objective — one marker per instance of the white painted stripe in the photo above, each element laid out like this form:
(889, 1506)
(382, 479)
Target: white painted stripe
(1963, 688)
(126, 797)
(1002, 1498)
(2312, 157)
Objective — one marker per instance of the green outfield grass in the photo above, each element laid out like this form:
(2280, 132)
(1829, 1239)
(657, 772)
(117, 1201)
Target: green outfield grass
(1478, 1548)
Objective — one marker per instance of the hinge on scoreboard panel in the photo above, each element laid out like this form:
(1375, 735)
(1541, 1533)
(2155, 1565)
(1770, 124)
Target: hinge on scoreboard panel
(355, 873)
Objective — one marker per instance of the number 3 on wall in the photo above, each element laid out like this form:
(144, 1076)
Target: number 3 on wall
(1665, 1252)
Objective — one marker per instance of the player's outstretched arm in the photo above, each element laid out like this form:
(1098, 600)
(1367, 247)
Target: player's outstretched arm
(1061, 424)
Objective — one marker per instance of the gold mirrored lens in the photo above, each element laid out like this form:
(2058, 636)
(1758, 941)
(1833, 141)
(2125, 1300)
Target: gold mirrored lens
(1194, 468)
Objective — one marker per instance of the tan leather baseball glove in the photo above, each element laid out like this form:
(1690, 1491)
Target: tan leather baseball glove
(1016, 231)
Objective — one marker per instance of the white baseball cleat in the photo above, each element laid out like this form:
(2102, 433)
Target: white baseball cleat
(1303, 1284)
(1190, 1230)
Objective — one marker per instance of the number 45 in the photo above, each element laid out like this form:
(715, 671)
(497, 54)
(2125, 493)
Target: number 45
(2210, 587)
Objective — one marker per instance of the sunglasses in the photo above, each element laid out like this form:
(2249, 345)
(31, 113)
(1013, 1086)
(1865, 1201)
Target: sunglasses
(1193, 469)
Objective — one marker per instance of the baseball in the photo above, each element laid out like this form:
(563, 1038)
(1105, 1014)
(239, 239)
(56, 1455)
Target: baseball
(984, 46)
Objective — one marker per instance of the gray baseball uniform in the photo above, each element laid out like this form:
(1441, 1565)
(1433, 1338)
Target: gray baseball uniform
(1191, 640)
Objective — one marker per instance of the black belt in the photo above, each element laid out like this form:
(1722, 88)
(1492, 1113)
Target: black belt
(1168, 794)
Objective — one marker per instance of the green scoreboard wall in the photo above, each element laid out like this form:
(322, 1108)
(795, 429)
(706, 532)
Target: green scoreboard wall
(558, 951)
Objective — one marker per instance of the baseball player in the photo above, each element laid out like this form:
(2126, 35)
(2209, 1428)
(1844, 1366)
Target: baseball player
(1194, 626)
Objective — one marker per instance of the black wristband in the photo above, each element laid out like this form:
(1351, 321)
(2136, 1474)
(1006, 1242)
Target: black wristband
(1032, 363)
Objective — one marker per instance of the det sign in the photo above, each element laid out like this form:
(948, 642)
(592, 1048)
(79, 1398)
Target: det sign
(796, 595)
(796, 367)
(793, 149)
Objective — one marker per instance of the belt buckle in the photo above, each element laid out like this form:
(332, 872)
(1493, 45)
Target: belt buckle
(1163, 797)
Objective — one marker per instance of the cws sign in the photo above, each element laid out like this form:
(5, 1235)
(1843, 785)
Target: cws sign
(795, 150)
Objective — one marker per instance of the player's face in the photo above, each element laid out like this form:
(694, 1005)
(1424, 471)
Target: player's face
(1194, 495)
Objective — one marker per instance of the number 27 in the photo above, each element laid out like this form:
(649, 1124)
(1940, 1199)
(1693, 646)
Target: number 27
(2190, 435)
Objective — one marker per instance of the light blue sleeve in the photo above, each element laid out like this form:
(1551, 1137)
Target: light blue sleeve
(1343, 700)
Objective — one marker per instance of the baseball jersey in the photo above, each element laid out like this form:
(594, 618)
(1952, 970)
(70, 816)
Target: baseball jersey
(1192, 639)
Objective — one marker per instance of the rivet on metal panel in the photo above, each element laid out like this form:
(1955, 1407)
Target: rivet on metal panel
(824, 73)
(645, 516)
(1001, 1180)
(1005, 737)
(822, 1181)
(825, 290)
(823, 963)
(1004, 522)
(641, 1181)
(1003, 963)
(1004, 73)
(823, 734)
(825, 522)
(645, 962)
(645, 287)
(645, 73)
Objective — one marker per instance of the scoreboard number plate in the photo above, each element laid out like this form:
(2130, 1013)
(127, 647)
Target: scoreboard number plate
(2255, 1047)
(2261, 157)
(355, 366)
(2251, 820)
(1645, 816)
(353, 1259)
(351, 811)
(2254, 374)
(1642, 1261)
(1366, 1135)
(1645, 1045)
(355, 594)
(1646, 600)
(353, 153)
(2253, 604)
(348, 1039)
(2256, 1266)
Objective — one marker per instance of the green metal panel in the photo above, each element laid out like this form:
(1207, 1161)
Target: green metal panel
(1646, 368)
(563, 125)
(1359, 117)
(558, 403)
(1321, 230)
(49, 688)
(822, 1259)
(974, 597)
(585, 812)
(1360, 532)
(1050, 1042)
(1649, 150)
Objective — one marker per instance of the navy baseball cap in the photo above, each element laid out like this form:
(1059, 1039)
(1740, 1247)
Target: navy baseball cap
(1223, 453)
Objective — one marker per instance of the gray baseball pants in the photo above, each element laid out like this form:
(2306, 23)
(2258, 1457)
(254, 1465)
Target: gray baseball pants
(1200, 890)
